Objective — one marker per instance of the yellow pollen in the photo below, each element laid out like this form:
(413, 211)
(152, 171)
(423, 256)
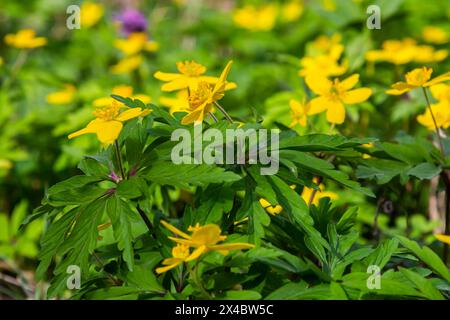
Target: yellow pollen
(108, 113)
(181, 251)
(200, 95)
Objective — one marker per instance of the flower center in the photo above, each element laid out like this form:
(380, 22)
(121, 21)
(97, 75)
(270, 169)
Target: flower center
(191, 68)
(418, 77)
(181, 251)
(200, 95)
(109, 112)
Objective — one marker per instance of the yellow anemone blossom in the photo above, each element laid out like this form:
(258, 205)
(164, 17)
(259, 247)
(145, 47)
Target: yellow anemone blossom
(441, 113)
(435, 35)
(273, 210)
(90, 13)
(135, 43)
(299, 112)
(291, 10)
(417, 78)
(180, 253)
(443, 238)
(333, 95)
(307, 192)
(123, 91)
(127, 64)
(191, 73)
(108, 123)
(25, 39)
(441, 92)
(5, 164)
(324, 44)
(202, 98)
(256, 18)
(177, 104)
(64, 96)
(204, 239)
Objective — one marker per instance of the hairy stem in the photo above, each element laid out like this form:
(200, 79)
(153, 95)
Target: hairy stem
(224, 112)
(119, 159)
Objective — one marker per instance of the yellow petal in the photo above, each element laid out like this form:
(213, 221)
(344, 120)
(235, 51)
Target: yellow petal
(92, 127)
(197, 253)
(336, 112)
(170, 227)
(109, 132)
(129, 114)
(164, 269)
(318, 105)
(400, 88)
(163, 76)
(176, 84)
(350, 82)
(357, 95)
(438, 79)
(195, 116)
(443, 238)
(318, 84)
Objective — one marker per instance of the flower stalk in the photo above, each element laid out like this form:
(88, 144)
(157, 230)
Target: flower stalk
(441, 145)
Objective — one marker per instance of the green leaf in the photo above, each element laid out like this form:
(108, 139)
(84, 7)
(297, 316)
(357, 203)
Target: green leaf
(184, 175)
(75, 190)
(382, 254)
(424, 171)
(144, 279)
(424, 285)
(241, 295)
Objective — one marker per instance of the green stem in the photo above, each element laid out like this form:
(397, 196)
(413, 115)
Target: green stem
(198, 281)
(214, 117)
(223, 111)
(119, 159)
(441, 145)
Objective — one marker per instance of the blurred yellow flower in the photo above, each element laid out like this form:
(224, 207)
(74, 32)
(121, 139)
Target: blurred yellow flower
(127, 64)
(135, 43)
(319, 194)
(368, 146)
(326, 45)
(180, 253)
(273, 210)
(191, 73)
(441, 92)
(417, 78)
(123, 91)
(90, 13)
(299, 111)
(204, 239)
(1, 61)
(202, 98)
(256, 18)
(5, 164)
(291, 10)
(334, 94)
(63, 96)
(25, 39)
(177, 104)
(405, 51)
(108, 123)
(441, 113)
(435, 35)
(329, 5)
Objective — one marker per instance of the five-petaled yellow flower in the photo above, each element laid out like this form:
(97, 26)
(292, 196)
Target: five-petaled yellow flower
(418, 78)
(333, 95)
(299, 111)
(204, 239)
(202, 98)
(25, 39)
(63, 96)
(108, 123)
(191, 73)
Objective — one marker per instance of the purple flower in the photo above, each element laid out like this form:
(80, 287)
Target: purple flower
(131, 21)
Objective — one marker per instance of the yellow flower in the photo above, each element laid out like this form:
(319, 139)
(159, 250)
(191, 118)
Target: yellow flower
(307, 192)
(135, 43)
(90, 13)
(441, 92)
(202, 98)
(299, 112)
(25, 39)
(427, 54)
(127, 64)
(334, 94)
(329, 5)
(180, 253)
(443, 238)
(325, 65)
(291, 11)
(177, 104)
(256, 18)
(5, 164)
(191, 73)
(108, 123)
(123, 91)
(417, 78)
(204, 239)
(368, 146)
(435, 35)
(64, 96)
(441, 112)
(326, 45)
(273, 210)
